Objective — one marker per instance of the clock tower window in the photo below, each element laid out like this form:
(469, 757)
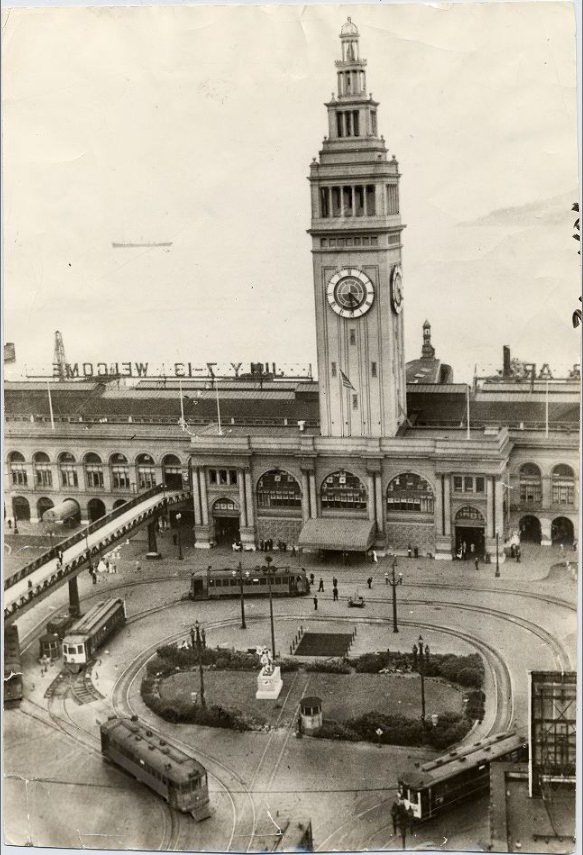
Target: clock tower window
(373, 122)
(347, 202)
(392, 199)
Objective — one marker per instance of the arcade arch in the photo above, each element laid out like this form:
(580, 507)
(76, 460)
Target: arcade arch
(530, 529)
(20, 509)
(277, 489)
(562, 531)
(95, 510)
(410, 492)
(226, 521)
(343, 491)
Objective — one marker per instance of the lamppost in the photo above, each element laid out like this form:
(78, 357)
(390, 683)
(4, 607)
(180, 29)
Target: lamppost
(179, 532)
(497, 573)
(268, 571)
(196, 638)
(239, 572)
(420, 654)
(393, 583)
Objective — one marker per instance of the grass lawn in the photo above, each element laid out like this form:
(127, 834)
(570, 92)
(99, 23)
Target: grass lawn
(344, 696)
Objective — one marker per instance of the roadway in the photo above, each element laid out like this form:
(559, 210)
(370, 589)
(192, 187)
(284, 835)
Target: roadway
(526, 619)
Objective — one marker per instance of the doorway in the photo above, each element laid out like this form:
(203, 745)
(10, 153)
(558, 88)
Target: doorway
(226, 519)
(469, 541)
(530, 530)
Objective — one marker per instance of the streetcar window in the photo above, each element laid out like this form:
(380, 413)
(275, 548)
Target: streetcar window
(79, 648)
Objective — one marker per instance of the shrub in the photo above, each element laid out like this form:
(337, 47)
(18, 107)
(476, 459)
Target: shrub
(371, 663)
(451, 728)
(335, 730)
(288, 665)
(328, 666)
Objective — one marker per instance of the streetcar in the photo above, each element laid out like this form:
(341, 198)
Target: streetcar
(166, 767)
(12, 668)
(462, 774)
(212, 584)
(90, 631)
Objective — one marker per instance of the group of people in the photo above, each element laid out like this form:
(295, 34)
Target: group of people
(281, 546)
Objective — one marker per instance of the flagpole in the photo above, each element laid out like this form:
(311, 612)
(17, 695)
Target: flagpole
(51, 406)
(468, 434)
(218, 407)
(182, 420)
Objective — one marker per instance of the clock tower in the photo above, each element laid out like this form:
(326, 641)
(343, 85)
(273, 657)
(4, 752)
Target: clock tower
(356, 246)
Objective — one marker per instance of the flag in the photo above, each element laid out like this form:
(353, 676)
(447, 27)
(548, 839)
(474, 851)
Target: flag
(9, 352)
(346, 382)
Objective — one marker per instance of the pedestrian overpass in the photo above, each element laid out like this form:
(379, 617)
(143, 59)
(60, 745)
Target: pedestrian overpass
(41, 577)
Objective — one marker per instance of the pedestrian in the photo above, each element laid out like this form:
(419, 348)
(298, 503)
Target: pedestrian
(138, 565)
(386, 578)
(312, 578)
(334, 582)
(108, 566)
(293, 551)
(477, 562)
(374, 557)
(334, 594)
(320, 585)
(562, 550)
(518, 555)
(409, 551)
(315, 602)
(369, 581)
(93, 576)
(513, 550)
(113, 567)
(416, 552)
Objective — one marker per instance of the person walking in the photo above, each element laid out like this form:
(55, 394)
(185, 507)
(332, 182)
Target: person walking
(477, 562)
(374, 557)
(334, 582)
(369, 582)
(315, 602)
(312, 578)
(395, 816)
(321, 585)
(386, 578)
(409, 551)
(335, 594)
(518, 554)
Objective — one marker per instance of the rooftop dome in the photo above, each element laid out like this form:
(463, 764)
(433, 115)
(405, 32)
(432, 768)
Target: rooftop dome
(349, 29)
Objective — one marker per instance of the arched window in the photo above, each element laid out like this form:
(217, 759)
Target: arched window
(43, 477)
(146, 471)
(469, 513)
(343, 491)
(410, 492)
(68, 470)
(530, 484)
(18, 475)
(278, 489)
(563, 485)
(93, 471)
(120, 472)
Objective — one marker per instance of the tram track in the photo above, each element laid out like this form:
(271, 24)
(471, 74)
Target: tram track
(241, 797)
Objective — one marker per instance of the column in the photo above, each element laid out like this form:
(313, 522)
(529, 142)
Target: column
(152, 545)
(313, 499)
(380, 507)
(305, 496)
(499, 521)
(74, 603)
(439, 506)
(203, 497)
(447, 503)
(196, 496)
(249, 497)
(490, 521)
(242, 502)
(370, 504)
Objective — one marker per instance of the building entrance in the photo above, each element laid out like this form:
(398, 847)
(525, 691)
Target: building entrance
(226, 520)
(469, 541)
(530, 530)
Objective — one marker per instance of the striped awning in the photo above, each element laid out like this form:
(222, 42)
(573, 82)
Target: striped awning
(341, 534)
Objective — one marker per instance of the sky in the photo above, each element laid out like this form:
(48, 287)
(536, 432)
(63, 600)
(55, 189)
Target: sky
(195, 127)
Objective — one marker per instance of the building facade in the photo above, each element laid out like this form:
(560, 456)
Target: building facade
(395, 453)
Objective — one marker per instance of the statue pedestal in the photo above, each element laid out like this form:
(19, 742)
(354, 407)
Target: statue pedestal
(269, 684)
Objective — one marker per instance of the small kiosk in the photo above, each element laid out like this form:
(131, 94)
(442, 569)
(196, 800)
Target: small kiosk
(310, 714)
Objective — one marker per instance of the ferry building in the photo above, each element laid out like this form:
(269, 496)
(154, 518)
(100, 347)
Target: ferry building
(378, 453)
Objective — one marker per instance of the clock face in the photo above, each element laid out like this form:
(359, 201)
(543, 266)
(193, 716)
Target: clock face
(397, 289)
(350, 293)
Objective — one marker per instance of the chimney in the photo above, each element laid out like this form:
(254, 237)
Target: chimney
(506, 372)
